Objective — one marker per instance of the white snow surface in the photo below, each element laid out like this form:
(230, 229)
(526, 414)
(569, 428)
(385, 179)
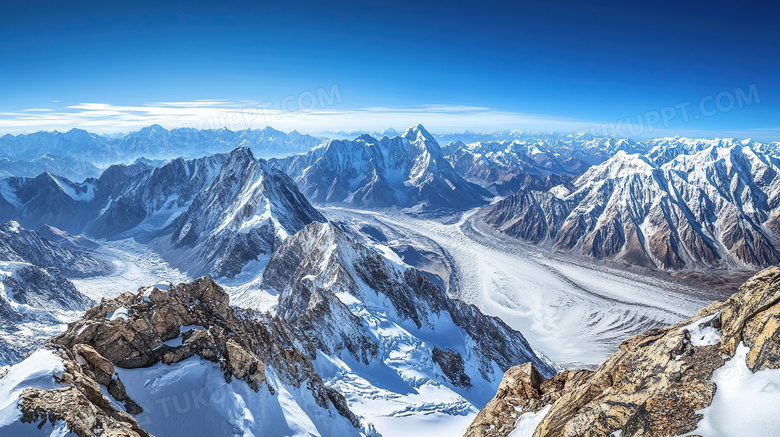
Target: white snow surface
(36, 371)
(192, 398)
(120, 313)
(704, 335)
(745, 404)
(526, 424)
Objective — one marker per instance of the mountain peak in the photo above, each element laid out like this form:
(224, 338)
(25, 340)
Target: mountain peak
(415, 131)
(155, 128)
(10, 226)
(241, 153)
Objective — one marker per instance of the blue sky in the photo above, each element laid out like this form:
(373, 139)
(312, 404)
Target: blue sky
(116, 66)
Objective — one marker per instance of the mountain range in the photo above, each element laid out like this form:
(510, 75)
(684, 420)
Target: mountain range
(78, 154)
(337, 333)
(713, 207)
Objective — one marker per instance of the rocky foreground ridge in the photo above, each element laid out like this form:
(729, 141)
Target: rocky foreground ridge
(169, 326)
(654, 384)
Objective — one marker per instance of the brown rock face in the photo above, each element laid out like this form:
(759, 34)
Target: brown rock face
(242, 342)
(521, 390)
(80, 405)
(655, 382)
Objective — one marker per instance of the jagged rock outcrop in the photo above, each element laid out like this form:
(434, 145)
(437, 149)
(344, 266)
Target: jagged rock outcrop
(80, 403)
(657, 381)
(453, 366)
(712, 208)
(137, 331)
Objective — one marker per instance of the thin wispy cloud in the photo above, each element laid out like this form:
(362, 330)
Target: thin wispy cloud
(213, 114)
(320, 120)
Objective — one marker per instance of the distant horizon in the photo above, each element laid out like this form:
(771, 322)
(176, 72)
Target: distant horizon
(351, 134)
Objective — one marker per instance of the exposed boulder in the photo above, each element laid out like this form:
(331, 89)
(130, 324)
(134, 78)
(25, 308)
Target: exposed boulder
(656, 382)
(155, 326)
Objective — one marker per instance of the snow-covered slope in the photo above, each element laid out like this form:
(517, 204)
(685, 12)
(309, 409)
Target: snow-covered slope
(35, 303)
(391, 340)
(23, 245)
(66, 240)
(404, 171)
(713, 208)
(242, 216)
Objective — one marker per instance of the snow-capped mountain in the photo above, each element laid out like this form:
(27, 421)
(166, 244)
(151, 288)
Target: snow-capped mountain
(78, 143)
(405, 171)
(23, 245)
(157, 142)
(78, 154)
(66, 166)
(243, 215)
(520, 160)
(145, 200)
(505, 167)
(396, 344)
(137, 197)
(714, 208)
(48, 199)
(208, 215)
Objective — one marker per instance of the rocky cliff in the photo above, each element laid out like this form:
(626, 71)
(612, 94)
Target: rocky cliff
(128, 353)
(686, 378)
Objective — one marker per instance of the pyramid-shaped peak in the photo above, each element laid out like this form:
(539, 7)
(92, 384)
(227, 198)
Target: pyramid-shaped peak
(153, 128)
(241, 153)
(416, 131)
